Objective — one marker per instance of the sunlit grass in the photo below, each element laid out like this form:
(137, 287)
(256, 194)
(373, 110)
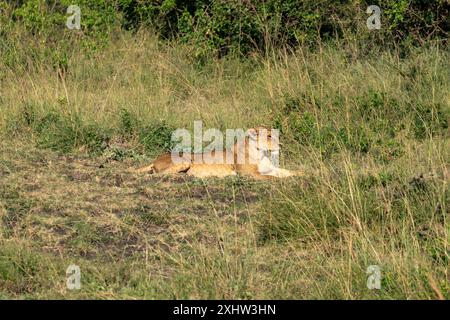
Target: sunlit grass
(372, 134)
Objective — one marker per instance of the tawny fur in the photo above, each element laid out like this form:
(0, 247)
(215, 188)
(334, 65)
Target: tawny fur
(262, 169)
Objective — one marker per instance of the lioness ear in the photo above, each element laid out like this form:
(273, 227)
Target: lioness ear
(252, 133)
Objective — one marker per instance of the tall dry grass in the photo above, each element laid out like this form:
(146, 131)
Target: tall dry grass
(371, 130)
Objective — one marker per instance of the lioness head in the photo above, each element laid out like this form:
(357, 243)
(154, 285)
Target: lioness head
(264, 139)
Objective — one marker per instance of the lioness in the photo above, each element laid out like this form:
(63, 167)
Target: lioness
(249, 157)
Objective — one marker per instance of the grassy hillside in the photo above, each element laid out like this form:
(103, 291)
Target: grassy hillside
(369, 126)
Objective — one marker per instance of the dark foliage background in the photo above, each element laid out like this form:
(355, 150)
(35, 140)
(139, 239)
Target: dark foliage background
(220, 27)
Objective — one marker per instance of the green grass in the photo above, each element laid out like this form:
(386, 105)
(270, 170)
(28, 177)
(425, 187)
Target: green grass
(372, 135)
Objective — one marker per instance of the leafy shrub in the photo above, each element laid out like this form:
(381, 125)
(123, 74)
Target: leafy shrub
(34, 32)
(98, 17)
(128, 123)
(221, 26)
(156, 137)
(62, 132)
(429, 119)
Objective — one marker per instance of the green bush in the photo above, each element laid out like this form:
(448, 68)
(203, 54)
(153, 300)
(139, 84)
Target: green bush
(128, 123)
(156, 137)
(65, 134)
(220, 27)
(429, 120)
(60, 132)
(33, 33)
(98, 17)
